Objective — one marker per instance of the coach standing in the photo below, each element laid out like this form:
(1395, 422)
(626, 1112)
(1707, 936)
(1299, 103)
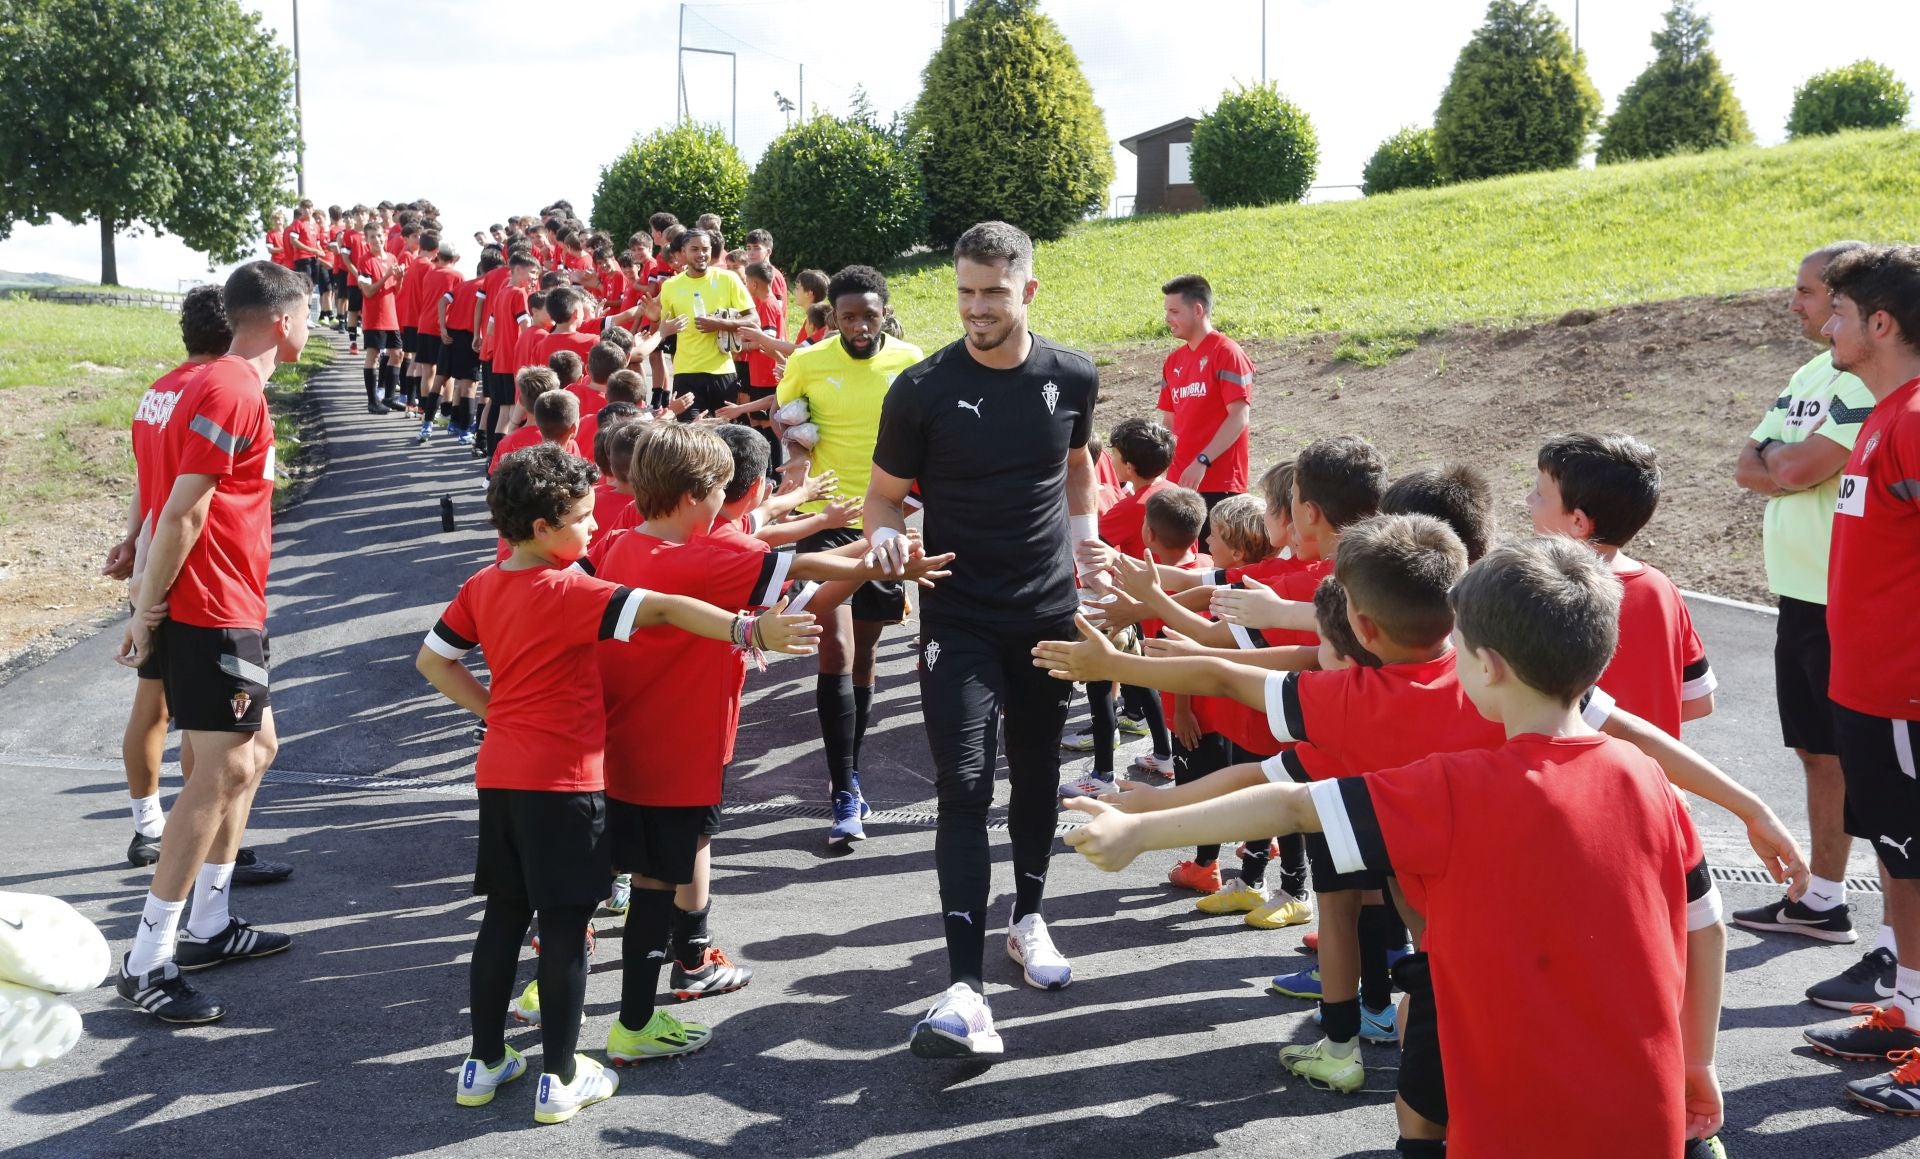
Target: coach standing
(1206, 391)
(994, 427)
(1794, 457)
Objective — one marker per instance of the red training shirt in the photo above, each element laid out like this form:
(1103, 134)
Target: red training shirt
(1660, 662)
(379, 304)
(1121, 523)
(1873, 561)
(148, 435)
(460, 311)
(762, 370)
(220, 427)
(1356, 720)
(508, 307)
(1196, 384)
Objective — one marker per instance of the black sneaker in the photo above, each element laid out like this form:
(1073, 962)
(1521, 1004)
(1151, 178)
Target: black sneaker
(239, 940)
(1787, 916)
(249, 869)
(163, 993)
(1871, 1039)
(143, 851)
(1896, 1092)
(1868, 982)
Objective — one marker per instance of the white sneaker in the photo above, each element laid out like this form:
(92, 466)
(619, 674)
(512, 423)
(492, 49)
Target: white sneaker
(1088, 784)
(46, 945)
(558, 1101)
(1078, 742)
(960, 1025)
(1152, 766)
(478, 1081)
(1029, 944)
(35, 1027)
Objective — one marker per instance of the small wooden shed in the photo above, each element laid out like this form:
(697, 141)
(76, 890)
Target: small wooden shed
(1163, 182)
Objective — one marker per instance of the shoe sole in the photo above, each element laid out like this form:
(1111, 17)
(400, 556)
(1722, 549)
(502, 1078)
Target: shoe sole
(696, 995)
(549, 1118)
(483, 1100)
(1830, 1052)
(1847, 1007)
(1272, 924)
(930, 1043)
(1310, 996)
(35, 1027)
(221, 961)
(623, 1061)
(1320, 1084)
(1870, 1104)
(1223, 911)
(46, 945)
(1836, 937)
(177, 1019)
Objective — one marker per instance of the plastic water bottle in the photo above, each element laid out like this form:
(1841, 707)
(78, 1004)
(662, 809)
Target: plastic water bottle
(699, 305)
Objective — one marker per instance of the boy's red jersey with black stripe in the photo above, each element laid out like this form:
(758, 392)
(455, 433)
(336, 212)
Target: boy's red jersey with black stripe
(1121, 523)
(148, 435)
(1660, 662)
(379, 308)
(508, 307)
(1355, 720)
(672, 698)
(526, 348)
(554, 341)
(1548, 840)
(1875, 553)
(220, 427)
(546, 727)
(438, 285)
(408, 301)
(1291, 579)
(465, 297)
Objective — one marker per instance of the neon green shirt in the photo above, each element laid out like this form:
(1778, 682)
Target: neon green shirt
(694, 352)
(843, 396)
(1799, 527)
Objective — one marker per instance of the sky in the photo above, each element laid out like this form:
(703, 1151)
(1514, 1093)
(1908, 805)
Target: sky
(1360, 68)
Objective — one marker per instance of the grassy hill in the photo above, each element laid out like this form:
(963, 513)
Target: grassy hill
(1389, 267)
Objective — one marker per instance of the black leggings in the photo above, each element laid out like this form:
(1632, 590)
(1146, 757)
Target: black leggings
(1140, 702)
(970, 674)
(563, 980)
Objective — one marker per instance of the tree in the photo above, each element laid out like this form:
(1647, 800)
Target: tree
(1519, 99)
(1861, 95)
(1683, 101)
(1403, 161)
(1006, 128)
(837, 193)
(686, 170)
(1255, 148)
(174, 117)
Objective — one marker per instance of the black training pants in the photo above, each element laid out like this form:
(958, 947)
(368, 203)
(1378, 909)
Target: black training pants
(970, 674)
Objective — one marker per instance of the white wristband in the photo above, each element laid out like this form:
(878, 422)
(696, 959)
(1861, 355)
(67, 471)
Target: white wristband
(880, 535)
(1081, 528)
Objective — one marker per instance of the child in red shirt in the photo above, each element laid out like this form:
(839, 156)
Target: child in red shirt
(543, 820)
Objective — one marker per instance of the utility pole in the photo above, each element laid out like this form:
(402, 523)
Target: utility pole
(299, 117)
(680, 68)
(1576, 25)
(1263, 41)
(803, 90)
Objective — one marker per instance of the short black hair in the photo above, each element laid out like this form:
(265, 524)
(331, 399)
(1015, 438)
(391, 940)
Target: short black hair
(553, 280)
(1175, 515)
(563, 303)
(604, 361)
(1142, 444)
(555, 413)
(759, 271)
(1398, 570)
(1615, 479)
(1344, 476)
(686, 239)
(1457, 495)
(1193, 289)
(609, 418)
(1877, 278)
(540, 482)
(1549, 606)
(538, 299)
(1330, 618)
(429, 242)
(261, 289)
(857, 280)
(523, 259)
(750, 457)
(203, 322)
(662, 221)
(996, 241)
(760, 237)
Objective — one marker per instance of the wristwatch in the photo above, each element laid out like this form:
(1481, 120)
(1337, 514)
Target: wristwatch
(1204, 459)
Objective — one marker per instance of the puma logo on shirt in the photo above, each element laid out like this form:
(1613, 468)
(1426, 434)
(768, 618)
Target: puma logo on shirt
(972, 406)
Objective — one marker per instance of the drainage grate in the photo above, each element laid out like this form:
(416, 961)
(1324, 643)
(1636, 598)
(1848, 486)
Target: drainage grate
(1744, 875)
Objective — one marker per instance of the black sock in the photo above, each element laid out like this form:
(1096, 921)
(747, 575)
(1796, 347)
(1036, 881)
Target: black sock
(657, 397)
(833, 701)
(1101, 724)
(1145, 704)
(462, 415)
(862, 711)
(648, 932)
(353, 334)
(1206, 854)
(1340, 1021)
(373, 391)
(386, 379)
(563, 986)
(429, 406)
(496, 957)
(690, 939)
(1418, 1147)
(1293, 864)
(1376, 985)
(1253, 863)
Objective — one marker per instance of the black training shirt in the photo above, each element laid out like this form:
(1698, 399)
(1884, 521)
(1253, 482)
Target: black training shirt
(989, 448)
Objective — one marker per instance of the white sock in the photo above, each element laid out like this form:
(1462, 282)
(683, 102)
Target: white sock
(153, 939)
(1823, 895)
(148, 820)
(210, 900)
(1885, 941)
(1906, 994)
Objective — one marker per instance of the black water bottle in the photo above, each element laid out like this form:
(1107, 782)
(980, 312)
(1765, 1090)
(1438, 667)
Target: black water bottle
(446, 513)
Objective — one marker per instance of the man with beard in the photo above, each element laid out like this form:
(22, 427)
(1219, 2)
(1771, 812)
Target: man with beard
(844, 381)
(695, 295)
(994, 428)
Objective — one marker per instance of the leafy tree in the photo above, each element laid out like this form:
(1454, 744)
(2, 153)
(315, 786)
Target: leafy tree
(1006, 128)
(836, 193)
(1682, 102)
(1255, 148)
(685, 170)
(1403, 161)
(1861, 95)
(1519, 99)
(171, 117)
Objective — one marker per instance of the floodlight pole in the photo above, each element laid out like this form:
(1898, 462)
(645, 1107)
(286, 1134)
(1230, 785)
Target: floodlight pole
(680, 67)
(1576, 25)
(1263, 41)
(299, 117)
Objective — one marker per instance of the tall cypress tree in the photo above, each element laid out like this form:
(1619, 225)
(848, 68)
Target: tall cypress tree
(1683, 102)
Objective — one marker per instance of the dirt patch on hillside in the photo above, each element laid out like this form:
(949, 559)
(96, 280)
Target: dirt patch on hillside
(1691, 377)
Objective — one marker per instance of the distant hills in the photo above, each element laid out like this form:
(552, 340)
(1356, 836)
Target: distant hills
(12, 281)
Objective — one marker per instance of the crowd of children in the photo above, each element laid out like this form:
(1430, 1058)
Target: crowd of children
(1429, 729)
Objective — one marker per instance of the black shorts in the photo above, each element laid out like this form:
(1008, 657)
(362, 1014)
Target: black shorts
(216, 678)
(457, 356)
(354, 299)
(426, 349)
(308, 267)
(543, 850)
(1328, 880)
(876, 601)
(151, 668)
(375, 340)
(762, 419)
(659, 841)
(710, 391)
(322, 277)
(499, 389)
(1422, 1083)
(1802, 657)
(1883, 786)
(409, 338)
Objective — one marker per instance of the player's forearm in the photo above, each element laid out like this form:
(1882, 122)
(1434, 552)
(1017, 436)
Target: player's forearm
(1178, 580)
(174, 535)
(881, 510)
(1687, 770)
(685, 613)
(1700, 1002)
(793, 530)
(1229, 432)
(1231, 779)
(1696, 708)
(453, 681)
(1750, 472)
(133, 514)
(1804, 465)
(1083, 489)
(1188, 675)
(1246, 815)
(1193, 626)
(1278, 658)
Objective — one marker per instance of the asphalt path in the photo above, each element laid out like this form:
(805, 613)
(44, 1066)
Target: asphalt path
(348, 1044)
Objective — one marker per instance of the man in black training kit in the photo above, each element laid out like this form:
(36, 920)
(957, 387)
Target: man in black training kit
(994, 428)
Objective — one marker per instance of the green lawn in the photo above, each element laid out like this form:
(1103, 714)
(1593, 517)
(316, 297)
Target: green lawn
(1390, 267)
(55, 344)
